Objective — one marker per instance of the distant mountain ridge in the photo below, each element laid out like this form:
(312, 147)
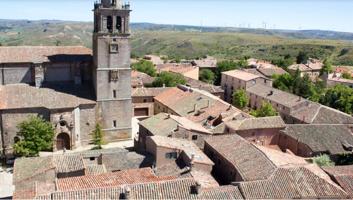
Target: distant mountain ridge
(144, 26)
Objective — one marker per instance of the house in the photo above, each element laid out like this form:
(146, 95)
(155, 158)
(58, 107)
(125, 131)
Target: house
(284, 102)
(261, 131)
(312, 68)
(212, 89)
(139, 79)
(171, 150)
(316, 139)
(206, 63)
(199, 106)
(186, 70)
(263, 68)
(143, 100)
(336, 78)
(343, 176)
(156, 60)
(236, 79)
(172, 126)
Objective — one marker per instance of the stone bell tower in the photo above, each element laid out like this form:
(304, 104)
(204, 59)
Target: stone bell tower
(112, 70)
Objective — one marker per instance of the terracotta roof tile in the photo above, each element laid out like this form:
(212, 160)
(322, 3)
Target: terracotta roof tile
(39, 54)
(242, 75)
(256, 123)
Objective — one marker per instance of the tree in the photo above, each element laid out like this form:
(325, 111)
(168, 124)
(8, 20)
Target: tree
(240, 99)
(98, 136)
(36, 135)
(323, 161)
(207, 76)
(266, 110)
(339, 97)
(146, 67)
(169, 79)
(302, 58)
(283, 62)
(327, 67)
(283, 82)
(346, 75)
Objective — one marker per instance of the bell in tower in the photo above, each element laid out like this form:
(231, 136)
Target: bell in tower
(112, 70)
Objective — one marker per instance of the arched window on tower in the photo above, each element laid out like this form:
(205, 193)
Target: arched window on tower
(110, 23)
(118, 24)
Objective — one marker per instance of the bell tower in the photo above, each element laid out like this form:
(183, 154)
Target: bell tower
(112, 70)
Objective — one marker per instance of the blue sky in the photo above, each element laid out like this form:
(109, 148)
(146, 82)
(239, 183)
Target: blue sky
(280, 14)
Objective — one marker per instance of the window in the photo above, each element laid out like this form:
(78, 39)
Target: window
(194, 137)
(114, 123)
(114, 93)
(171, 155)
(118, 24)
(114, 48)
(92, 158)
(110, 23)
(144, 100)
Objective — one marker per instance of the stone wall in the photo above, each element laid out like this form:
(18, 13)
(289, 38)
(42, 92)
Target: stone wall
(16, 73)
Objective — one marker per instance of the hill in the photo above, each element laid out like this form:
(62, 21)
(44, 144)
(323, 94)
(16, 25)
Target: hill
(189, 41)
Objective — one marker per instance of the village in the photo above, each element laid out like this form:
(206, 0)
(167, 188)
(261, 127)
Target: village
(154, 127)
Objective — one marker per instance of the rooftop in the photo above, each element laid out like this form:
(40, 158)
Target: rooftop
(139, 79)
(147, 92)
(275, 95)
(175, 67)
(24, 96)
(256, 123)
(250, 162)
(209, 62)
(203, 86)
(188, 147)
(40, 54)
(242, 75)
(343, 175)
(322, 138)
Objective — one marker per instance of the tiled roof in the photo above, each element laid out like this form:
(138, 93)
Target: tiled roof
(25, 168)
(322, 138)
(301, 67)
(275, 95)
(39, 54)
(203, 86)
(209, 62)
(95, 169)
(164, 124)
(256, 123)
(105, 180)
(188, 147)
(269, 72)
(147, 92)
(292, 183)
(242, 75)
(68, 163)
(172, 189)
(140, 79)
(250, 162)
(25, 96)
(205, 179)
(343, 175)
(175, 67)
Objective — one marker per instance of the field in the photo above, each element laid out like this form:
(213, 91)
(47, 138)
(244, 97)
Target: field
(184, 42)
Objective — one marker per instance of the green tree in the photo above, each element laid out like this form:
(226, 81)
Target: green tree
(98, 137)
(284, 62)
(207, 76)
(145, 66)
(36, 135)
(169, 79)
(339, 97)
(240, 99)
(327, 67)
(302, 57)
(266, 110)
(323, 161)
(283, 82)
(347, 75)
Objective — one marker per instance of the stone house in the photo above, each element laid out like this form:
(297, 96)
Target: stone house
(336, 79)
(315, 139)
(172, 126)
(261, 131)
(139, 79)
(311, 68)
(143, 100)
(236, 79)
(206, 63)
(212, 89)
(168, 151)
(186, 70)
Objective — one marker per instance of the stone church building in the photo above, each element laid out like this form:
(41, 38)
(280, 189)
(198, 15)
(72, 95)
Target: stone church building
(72, 87)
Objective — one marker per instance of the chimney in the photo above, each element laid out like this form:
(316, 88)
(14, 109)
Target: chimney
(127, 192)
(196, 189)
(163, 85)
(195, 107)
(192, 161)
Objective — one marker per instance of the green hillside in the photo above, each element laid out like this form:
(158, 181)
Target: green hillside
(178, 43)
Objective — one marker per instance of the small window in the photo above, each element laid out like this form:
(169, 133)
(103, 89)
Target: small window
(92, 158)
(114, 48)
(144, 100)
(110, 23)
(114, 93)
(194, 137)
(171, 155)
(114, 123)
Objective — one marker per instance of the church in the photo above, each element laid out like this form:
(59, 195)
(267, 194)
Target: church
(72, 87)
